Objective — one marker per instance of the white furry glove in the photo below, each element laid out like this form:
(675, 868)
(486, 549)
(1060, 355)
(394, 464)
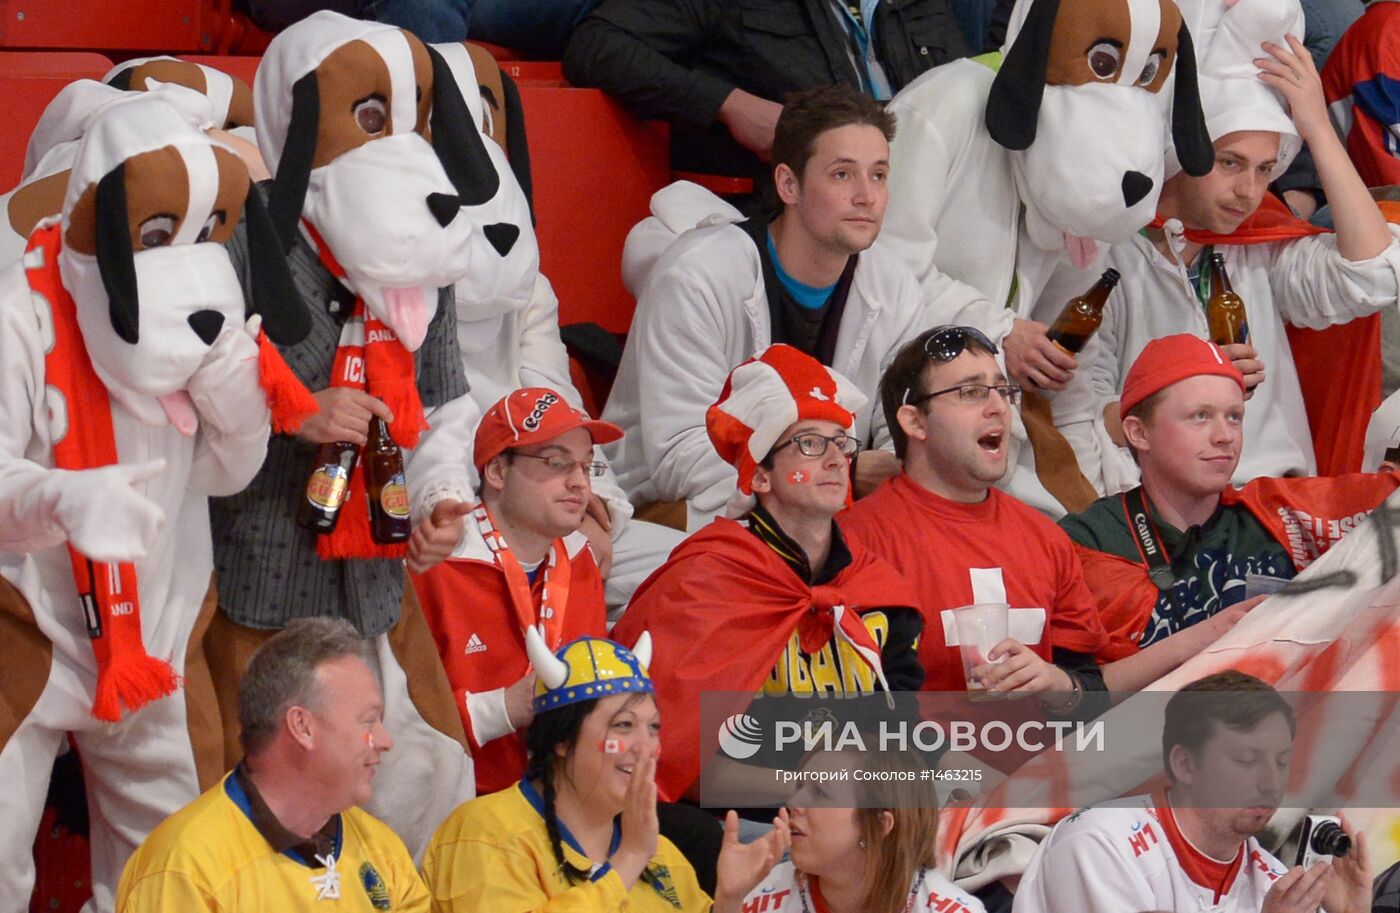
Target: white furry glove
(102, 513)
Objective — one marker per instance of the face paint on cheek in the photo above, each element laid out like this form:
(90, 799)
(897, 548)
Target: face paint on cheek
(798, 477)
(612, 746)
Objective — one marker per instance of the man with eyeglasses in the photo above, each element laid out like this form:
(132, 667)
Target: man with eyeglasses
(778, 602)
(522, 562)
(959, 541)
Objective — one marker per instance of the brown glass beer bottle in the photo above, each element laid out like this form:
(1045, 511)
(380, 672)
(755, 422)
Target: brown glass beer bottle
(327, 486)
(1224, 309)
(1081, 317)
(385, 486)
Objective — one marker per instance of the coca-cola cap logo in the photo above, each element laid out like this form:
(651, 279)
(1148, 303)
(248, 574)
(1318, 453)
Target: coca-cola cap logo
(542, 405)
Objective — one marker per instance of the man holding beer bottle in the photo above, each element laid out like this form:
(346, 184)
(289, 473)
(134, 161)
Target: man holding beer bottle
(1220, 247)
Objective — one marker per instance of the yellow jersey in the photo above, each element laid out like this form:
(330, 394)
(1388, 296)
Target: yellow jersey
(209, 856)
(492, 855)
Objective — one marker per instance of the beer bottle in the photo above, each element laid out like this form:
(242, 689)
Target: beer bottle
(1224, 309)
(385, 486)
(1081, 317)
(326, 489)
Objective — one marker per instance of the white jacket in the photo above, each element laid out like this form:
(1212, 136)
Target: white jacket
(702, 311)
(1305, 282)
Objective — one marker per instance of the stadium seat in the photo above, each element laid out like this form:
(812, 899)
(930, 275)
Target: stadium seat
(594, 169)
(28, 82)
(163, 26)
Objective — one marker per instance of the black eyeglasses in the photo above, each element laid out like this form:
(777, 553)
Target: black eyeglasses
(812, 444)
(945, 344)
(973, 394)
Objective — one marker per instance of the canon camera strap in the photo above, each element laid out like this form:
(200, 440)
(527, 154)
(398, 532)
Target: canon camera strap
(1148, 539)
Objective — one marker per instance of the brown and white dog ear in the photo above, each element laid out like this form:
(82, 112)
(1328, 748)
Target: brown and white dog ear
(1013, 105)
(115, 259)
(457, 139)
(1189, 134)
(273, 295)
(298, 153)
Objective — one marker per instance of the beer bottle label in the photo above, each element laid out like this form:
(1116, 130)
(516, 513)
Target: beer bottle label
(327, 486)
(393, 497)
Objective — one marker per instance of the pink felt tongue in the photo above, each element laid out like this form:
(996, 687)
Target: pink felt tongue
(407, 315)
(1082, 251)
(179, 409)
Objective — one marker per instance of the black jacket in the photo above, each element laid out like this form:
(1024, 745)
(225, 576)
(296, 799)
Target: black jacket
(678, 60)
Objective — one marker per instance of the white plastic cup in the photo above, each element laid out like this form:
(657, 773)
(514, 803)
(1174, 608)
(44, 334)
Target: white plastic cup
(980, 628)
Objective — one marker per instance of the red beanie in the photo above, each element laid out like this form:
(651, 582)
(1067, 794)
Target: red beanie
(1170, 359)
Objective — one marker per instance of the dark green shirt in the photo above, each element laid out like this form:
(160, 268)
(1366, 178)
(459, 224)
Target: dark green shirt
(1208, 562)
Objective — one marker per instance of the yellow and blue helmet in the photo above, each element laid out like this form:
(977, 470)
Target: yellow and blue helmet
(587, 669)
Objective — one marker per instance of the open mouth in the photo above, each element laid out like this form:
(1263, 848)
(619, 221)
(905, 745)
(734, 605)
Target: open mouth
(992, 441)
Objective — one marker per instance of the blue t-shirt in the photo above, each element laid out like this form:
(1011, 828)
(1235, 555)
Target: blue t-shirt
(810, 297)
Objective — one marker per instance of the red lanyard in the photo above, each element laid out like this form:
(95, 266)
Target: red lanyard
(554, 591)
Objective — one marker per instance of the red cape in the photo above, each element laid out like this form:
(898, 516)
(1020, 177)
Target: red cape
(720, 612)
(1338, 403)
(1306, 516)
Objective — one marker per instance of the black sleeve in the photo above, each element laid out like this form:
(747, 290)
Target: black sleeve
(1083, 667)
(900, 654)
(636, 50)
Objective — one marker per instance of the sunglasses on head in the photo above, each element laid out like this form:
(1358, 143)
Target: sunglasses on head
(946, 343)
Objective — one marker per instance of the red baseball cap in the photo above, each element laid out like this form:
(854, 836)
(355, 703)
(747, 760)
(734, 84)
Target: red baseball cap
(533, 415)
(1169, 359)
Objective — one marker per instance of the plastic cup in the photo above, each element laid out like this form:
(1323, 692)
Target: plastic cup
(980, 627)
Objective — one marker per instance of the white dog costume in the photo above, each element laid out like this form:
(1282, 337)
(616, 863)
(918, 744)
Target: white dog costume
(129, 393)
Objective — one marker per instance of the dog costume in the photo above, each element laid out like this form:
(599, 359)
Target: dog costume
(371, 214)
(508, 331)
(1284, 271)
(1006, 165)
(128, 395)
(54, 140)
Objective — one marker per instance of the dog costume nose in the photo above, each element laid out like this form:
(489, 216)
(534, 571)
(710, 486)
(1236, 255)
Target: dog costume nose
(445, 207)
(1136, 185)
(206, 325)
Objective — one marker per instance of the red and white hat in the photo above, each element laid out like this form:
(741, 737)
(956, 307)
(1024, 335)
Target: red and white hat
(765, 395)
(1169, 359)
(532, 415)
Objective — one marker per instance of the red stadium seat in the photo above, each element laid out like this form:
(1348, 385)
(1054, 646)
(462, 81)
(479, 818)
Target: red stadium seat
(595, 168)
(28, 82)
(164, 26)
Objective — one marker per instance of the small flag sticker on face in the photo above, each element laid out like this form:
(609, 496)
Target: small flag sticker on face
(612, 746)
(797, 477)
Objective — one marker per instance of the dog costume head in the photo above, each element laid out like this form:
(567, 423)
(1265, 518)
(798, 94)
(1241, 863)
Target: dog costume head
(230, 98)
(1229, 35)
(1082, 98)
(149, 203)
(505, 255)
(370, 140)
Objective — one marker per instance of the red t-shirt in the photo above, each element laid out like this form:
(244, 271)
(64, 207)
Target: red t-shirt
(467, 605)
(997, 550)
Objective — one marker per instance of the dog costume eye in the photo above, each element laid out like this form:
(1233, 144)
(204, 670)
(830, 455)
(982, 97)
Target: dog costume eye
(157, 231)
(214, 219)
(1152, 68)
(370, 114)
(1103, 60)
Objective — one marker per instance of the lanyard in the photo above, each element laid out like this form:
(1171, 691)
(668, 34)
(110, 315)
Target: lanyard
(1147, 539)
(554, 591)
(1203, 273)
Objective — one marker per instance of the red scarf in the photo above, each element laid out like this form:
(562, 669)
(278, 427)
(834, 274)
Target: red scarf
(127, 676)
(721, 611)
(370, 358)
(1338, 403)
(554, 589)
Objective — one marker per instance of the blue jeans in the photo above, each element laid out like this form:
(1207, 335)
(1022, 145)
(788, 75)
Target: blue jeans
(431, 20)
